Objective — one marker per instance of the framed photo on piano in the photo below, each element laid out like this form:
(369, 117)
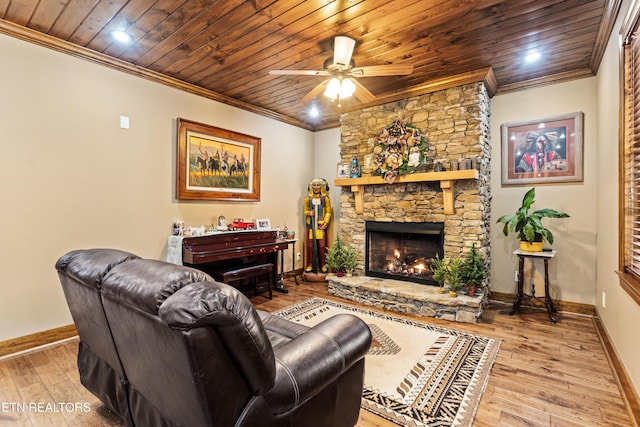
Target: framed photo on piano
(263, 224)
(216, 164)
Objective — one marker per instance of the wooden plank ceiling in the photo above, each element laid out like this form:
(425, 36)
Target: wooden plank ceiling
(224, 49)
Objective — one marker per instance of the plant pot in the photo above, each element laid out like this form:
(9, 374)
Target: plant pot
(531, 247)
(441, 290)
(453, 294)
(472, 290)
(340, 273)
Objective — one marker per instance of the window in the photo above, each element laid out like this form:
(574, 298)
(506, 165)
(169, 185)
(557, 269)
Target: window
(629, 270)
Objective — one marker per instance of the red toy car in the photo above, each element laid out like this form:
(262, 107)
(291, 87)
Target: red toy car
(239, 224)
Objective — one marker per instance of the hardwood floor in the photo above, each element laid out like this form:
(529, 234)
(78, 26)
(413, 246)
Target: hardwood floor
(544, 375)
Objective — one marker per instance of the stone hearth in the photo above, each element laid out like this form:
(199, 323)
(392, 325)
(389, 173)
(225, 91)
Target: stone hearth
(411, 298)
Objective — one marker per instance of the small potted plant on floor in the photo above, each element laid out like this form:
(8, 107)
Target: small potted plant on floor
(438, 269)
(529, 226)
(341, 258)
(334, 260)
(473, 272)
(350, 259)
(453, 276)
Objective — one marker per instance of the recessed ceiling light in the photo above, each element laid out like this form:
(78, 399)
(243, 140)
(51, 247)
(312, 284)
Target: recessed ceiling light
(119, 26)
(532, 57)
(313, 112)
(122, 36)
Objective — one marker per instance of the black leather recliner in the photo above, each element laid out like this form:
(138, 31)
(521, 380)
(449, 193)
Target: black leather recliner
(166, 345)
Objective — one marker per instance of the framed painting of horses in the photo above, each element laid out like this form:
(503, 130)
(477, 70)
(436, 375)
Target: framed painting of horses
(216, 163)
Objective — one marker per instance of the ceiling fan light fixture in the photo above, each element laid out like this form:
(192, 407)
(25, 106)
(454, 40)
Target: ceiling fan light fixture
(333, 88)
(342, 50)
(347, 88)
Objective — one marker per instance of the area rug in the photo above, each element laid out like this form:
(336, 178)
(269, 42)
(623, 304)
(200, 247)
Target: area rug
(416, 374)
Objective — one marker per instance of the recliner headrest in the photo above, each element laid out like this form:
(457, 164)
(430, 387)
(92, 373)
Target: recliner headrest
(146, 283)
(89, 266)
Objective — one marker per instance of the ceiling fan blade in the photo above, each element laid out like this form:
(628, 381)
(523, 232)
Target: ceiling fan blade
(300, 72)
(314, 92)
(383, 70)
(342, 51)
(362, 93)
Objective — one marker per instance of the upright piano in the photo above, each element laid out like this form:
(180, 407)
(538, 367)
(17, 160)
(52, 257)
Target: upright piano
(235, 251)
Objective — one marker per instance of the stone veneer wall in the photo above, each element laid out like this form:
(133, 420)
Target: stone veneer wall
(456, 122)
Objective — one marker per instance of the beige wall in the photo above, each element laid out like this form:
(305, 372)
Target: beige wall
(620, 315)
(572, 271)
(71, 178)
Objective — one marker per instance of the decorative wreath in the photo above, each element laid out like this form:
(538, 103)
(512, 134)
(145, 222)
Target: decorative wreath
(400, 148)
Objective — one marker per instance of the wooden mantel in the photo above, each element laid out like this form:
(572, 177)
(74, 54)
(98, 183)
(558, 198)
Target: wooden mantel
(447, 180)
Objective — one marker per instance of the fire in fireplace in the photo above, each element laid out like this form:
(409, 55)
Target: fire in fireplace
(403, 250)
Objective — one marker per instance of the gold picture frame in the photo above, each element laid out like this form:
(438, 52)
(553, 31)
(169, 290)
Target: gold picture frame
(541, 151)
(216, 164)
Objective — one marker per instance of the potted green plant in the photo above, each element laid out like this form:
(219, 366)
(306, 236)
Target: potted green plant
(334, 256)
(453, 276)
(531, 231)
(473, 272)
(350, 259)
(438, 267)
(341, 258)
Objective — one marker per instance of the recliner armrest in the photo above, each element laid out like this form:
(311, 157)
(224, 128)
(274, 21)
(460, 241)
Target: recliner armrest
(311, 361)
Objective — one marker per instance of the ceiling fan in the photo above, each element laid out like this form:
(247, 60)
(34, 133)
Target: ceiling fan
(343, 73)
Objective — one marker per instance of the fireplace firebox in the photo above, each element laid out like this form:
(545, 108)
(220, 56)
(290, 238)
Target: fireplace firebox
(403, 250)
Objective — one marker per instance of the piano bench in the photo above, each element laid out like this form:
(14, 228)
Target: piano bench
(257, 272)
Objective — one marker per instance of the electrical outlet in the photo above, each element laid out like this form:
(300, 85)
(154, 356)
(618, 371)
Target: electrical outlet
(604, 300)
(515, 275)
(298, 256)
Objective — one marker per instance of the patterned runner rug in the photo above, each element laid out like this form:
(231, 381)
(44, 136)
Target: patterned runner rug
(416, 374)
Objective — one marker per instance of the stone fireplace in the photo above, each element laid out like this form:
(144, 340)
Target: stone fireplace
(455, 122)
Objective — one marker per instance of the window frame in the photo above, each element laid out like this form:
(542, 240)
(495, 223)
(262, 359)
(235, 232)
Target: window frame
(629, 280)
